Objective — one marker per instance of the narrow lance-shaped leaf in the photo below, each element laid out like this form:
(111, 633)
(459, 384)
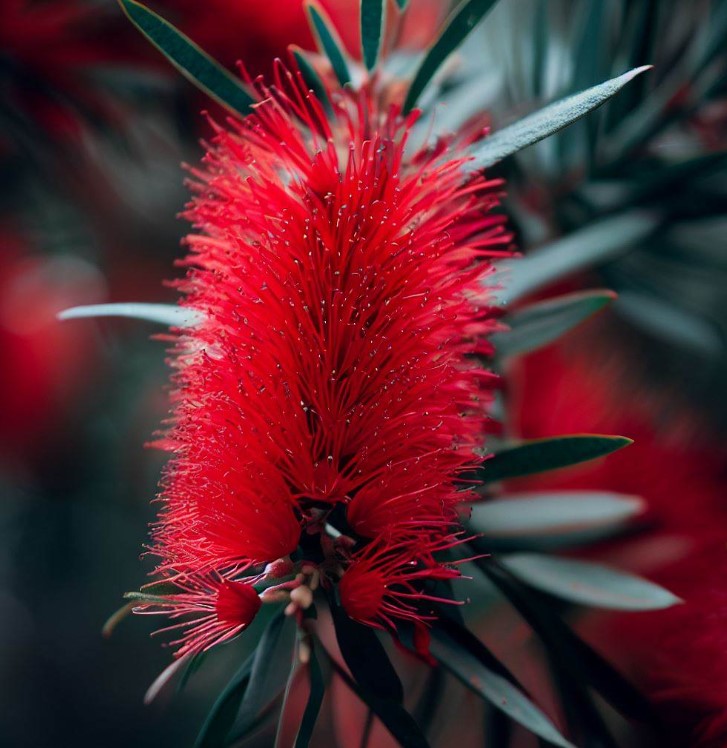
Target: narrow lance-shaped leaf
(315, 700)
(496, 689)
(548, 513)
(328, 41)
(373, 14)
(310, 76)
(194, 63)
(464, 18)
(587, 583)
(546, 121)
(164, 314)
(594, 244)
(540, 455)
(543, 322)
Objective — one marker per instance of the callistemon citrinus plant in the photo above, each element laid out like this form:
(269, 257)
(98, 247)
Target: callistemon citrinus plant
(332, 381)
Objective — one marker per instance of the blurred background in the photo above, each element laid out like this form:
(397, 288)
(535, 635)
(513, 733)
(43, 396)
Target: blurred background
(94, 125)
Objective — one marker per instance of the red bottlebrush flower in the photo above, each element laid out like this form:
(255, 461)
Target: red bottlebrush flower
(220, 610)
(381, 584)
(337, 283)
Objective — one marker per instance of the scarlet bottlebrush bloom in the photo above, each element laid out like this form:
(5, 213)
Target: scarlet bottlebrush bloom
(381, 584)
(338, 279)
(219, 608)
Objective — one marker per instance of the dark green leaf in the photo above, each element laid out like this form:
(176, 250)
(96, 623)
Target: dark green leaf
(540, 455)
(549, 513)
(401, 4)
(328, 41)
(193, 666)
(366, 657)
(165, 314)
(373, 13)
(458, 26)
(313, 707)
(546, 121)
(392, 715)
(270, 672)
(541, 323)
(499, 691)
(594, 244)
(311, 77)
(581, 659)
(222, 715)
(189, 59)
(587, 583)
(667, 320)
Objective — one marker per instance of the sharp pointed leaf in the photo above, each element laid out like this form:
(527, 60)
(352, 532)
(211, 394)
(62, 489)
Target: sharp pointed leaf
(587, 583)
(328, 41)
(540, 455)
(541, 323)
(594, 244)
(189, 59)
(463, 19)
(373, 14)
(311, 77)
(546, 121)
(496, 689)
(315, 700)
(164, 314)
(548, 513)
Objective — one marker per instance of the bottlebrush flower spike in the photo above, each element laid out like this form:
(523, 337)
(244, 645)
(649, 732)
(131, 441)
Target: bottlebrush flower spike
(340, 286)
(219, 608)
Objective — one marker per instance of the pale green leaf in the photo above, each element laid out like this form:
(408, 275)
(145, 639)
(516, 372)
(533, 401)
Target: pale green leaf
(497, 690)
(541, 323)
(588, 583)
(164, 314)
(546, 121)
(552, 513)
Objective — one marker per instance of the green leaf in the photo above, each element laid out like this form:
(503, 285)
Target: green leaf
(587, 583)
(217, 725)
(458, 26)
(311, 77)
(271, 670)
(313, 707)
(373, 14)
(580, 659)
(540, 455)
(495, 688)
(667, 320)
(401, 4)
(366, 657)
(328, 42)
(195, 64)
(589, 246)
(165, 314)
(546, 121)
(548, 513)
(543, 322)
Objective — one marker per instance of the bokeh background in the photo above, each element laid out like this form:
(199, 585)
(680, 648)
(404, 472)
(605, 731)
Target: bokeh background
(93, 128)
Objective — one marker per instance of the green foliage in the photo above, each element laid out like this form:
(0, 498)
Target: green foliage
(498, 690)
(163, 314)
(540, 455)
(547, 121)
(195, 64)
(541, 323)
(459, 25)
(373, 16)
(588, 583)
(328, 42)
